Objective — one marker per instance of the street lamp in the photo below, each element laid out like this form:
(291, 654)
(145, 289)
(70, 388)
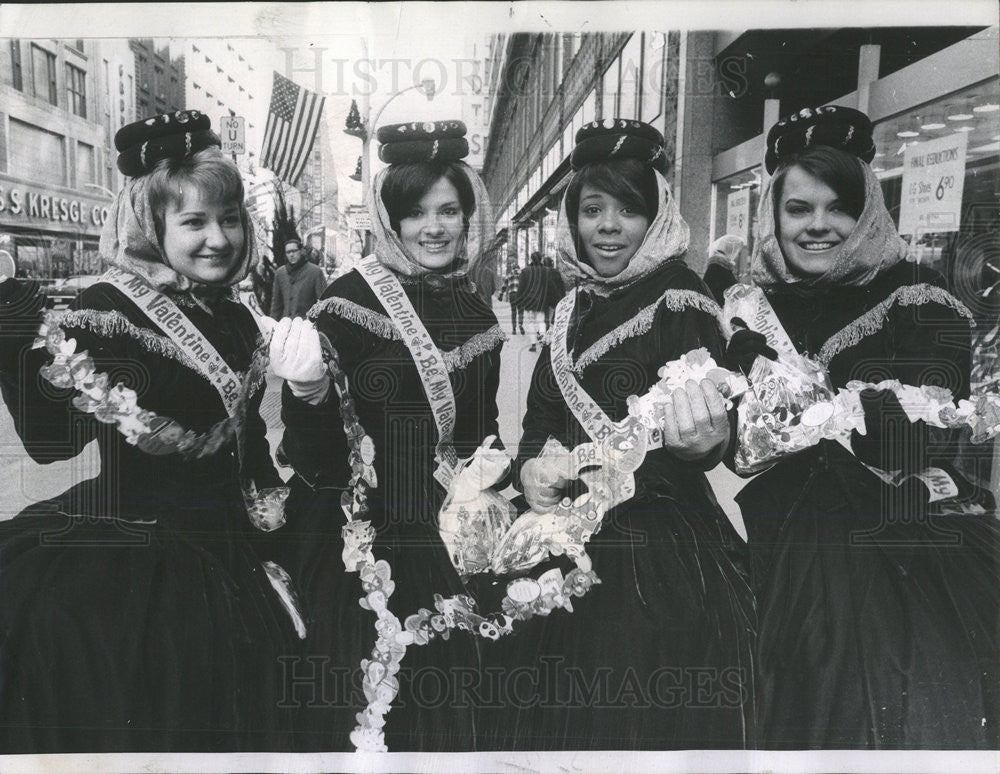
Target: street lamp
(101, 188)
(428, 89)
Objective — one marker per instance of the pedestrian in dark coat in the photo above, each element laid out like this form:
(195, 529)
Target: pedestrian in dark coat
(878, 614)
(134, 613)
(297, 285)
(532, 297)
(554, 291)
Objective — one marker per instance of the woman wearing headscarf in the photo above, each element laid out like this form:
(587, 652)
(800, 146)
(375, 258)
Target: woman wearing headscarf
(420, 348)
(134, 615)
(724, 256)
(657, 655)
(878, 615)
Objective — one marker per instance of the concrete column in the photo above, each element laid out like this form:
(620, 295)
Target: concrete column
(697, 87)
(772, 114)
(868, 59)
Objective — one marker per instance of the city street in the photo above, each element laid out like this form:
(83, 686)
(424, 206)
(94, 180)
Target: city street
(23, 482)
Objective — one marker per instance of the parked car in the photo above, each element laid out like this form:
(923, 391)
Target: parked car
(60, 294)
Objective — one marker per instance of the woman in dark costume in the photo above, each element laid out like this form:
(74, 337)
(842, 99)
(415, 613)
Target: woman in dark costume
(878, 615)
(658, 654)
(134, 615)
(431, 219)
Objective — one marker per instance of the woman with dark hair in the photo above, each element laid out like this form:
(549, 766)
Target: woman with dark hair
(878, 613)
(134, 614)
(420, 349)
(658, 654)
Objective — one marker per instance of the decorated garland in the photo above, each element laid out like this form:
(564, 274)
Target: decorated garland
(154, 434)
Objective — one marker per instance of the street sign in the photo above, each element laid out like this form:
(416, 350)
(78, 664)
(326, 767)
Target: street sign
(360, 220)
(233, 134)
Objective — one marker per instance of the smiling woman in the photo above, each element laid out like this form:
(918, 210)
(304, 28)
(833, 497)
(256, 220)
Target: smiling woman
(420, 348)
(429, 207)
(671, 584)
(135, 614)
(819, 200)
(877, 599)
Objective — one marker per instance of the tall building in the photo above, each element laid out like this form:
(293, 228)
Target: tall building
(61, 101)
(159, 77)
(231, 77)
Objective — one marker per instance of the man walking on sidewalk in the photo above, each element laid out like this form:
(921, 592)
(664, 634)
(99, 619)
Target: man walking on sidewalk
(297, 285)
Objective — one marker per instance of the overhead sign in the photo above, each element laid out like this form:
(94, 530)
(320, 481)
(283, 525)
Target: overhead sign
(25, 204)
(738, 214)
(233, 134)
(933, 180)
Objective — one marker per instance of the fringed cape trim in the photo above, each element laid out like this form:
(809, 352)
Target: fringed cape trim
(674, 300)
(380, 325)
(874, 319)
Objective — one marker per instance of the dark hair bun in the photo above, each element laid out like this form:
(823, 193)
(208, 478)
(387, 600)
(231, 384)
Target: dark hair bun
(427, 130)
(619, 138)
(162, 125)
(413, 151)
(142, 144)
(429, 141)
(832, 125)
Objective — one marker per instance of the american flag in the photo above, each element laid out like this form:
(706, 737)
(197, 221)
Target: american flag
(292, 124)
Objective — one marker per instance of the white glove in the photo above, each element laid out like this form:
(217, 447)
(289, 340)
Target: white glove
(296, 357)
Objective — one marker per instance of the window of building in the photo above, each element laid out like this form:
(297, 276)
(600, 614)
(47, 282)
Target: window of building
(16, 66)
(76, 90)
(85, 167)
(43, 66)
(588, 112)
(630, 79)
(654, 60)
(609, 91)
(36, 154)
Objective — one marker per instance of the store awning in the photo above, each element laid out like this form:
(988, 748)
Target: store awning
(545, 198)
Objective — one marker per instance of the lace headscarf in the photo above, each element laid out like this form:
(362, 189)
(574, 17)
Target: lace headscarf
(129, 242)
(667, 237)
(873, 246)
(472, 262)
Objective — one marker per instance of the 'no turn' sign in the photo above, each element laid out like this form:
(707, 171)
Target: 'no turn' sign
(233, 134)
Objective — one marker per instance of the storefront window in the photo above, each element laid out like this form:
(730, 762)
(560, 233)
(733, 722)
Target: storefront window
(957, 235)
(736, 199)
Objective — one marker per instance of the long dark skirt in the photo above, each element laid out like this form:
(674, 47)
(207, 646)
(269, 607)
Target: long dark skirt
(658, 656)
(120, 636)
(877, 631)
